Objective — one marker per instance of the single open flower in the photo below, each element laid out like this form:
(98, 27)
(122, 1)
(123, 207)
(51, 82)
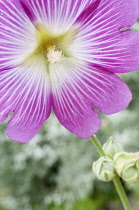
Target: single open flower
(62, 55)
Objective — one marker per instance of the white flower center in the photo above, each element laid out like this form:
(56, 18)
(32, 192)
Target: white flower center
(54, 55)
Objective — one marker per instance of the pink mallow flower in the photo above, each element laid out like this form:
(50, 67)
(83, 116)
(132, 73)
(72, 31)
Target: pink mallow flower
(62, 55)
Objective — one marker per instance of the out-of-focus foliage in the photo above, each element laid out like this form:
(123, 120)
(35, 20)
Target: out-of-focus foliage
(88, 204)
(54, 168)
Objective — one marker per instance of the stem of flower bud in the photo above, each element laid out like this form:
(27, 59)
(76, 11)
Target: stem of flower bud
(121, 192)
(97, 145)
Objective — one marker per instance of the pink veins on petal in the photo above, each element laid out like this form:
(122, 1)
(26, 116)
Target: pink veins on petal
(63, 55)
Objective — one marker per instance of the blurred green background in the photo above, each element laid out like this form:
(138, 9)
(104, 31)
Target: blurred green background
(53, 171)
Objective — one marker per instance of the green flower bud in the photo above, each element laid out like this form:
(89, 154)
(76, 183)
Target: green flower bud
(104, 170)
(111, 147)
(126, 166)
(137, 163)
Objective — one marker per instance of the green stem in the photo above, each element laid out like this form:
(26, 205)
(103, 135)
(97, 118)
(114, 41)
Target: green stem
(117, 182)
(97, 145)
(121, 193)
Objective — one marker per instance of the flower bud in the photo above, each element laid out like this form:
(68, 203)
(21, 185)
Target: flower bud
(111, 147)
(126, 166)
(137, 162)
(104, 170)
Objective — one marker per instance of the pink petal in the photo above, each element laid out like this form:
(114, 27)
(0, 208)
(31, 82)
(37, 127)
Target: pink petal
(26, 92)
(57, 15)
(101, 40)
(78, 87)
(17, 34)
